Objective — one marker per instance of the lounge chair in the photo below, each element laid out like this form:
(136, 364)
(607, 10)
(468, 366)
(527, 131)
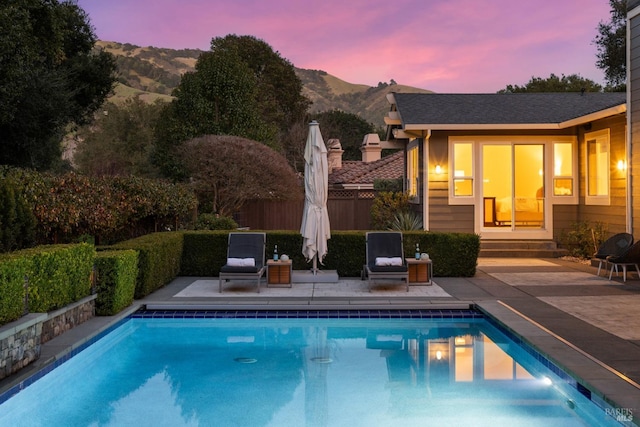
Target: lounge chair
(629, 257)
(613, 246)
(245, 258)
(385, 257)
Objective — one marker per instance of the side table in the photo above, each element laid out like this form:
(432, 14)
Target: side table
(420, 270)
(279, 273)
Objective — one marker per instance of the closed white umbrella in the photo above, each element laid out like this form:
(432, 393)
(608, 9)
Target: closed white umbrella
(315, 227)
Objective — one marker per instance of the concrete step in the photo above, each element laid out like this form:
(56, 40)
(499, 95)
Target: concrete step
(521, 249)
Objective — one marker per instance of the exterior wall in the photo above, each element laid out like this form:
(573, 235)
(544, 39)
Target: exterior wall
(442, 216)
(460, 218)
(633, 109)
(614, 215)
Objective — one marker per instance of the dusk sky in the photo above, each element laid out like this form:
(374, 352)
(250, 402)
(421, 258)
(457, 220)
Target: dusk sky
(447, 46)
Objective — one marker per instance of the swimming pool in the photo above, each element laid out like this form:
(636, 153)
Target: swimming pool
(329, 369)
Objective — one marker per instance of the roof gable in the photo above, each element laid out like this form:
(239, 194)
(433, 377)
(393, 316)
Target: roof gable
(502, 109)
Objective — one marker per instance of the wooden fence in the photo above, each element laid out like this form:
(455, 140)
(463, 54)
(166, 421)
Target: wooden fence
(348, 210)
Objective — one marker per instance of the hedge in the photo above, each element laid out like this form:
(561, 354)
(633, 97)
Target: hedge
(159, 257)
(57, 275)
(116, 273)
(453, 254)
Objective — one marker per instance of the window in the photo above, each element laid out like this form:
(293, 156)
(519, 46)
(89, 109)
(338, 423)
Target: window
(412, 172)
(563, 169)
(462, 169)
(597, 173)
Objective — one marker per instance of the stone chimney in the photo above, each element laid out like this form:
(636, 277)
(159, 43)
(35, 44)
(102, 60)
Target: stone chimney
(334, 154)
(371, 149)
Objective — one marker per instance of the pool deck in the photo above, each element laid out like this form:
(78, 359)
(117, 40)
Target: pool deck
(584, 323)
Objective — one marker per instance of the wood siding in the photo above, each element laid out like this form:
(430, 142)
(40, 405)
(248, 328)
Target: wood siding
(633, 109)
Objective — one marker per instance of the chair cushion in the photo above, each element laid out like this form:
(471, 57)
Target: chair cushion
(396, 261)
(388, 268)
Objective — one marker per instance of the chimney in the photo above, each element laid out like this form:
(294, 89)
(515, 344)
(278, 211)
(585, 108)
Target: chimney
(334, 154)
(371, 149)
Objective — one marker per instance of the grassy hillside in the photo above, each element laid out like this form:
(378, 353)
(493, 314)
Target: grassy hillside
(152, 73)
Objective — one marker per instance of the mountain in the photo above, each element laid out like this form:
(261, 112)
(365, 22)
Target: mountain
(152, 73)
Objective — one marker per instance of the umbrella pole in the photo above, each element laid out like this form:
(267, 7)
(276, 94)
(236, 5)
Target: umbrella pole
(315, 264)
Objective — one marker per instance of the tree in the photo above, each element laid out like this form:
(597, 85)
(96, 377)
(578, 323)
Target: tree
(242, 88)
(349, 128)
(50, 77)
(611, 43)
(571, 83)
(120, 140)
(226, 171)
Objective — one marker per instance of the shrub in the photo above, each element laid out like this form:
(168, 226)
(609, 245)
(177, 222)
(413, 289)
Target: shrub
(116, 280)
(13, 270)
(584, 238)
(406, 221)
(208, 221)
(17, 222)
(159, 259)
(385, 206)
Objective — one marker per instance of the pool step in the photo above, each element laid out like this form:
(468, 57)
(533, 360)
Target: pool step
(520, 249)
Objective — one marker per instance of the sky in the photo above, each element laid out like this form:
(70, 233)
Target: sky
(447, 46)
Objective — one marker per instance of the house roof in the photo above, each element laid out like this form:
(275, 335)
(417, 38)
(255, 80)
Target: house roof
(514, 110)
(361, 173)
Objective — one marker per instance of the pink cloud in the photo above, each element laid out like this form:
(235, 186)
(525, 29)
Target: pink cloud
(441, 45)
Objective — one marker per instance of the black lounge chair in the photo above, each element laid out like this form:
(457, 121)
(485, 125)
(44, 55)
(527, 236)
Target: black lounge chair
(613, 246)
(241, 250)
(385, 247)
(629, 257)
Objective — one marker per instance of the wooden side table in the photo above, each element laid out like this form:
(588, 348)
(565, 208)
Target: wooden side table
(279, 273)
(420, 270)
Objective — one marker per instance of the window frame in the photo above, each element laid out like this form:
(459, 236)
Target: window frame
(603, 137)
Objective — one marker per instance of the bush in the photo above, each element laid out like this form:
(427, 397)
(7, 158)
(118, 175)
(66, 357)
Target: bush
(584, 238)
(208, 221)
(17, 222)
(385, 206)
(159, 259)
(116, 274)
(406, 221)
(204, 253)
(13, 270)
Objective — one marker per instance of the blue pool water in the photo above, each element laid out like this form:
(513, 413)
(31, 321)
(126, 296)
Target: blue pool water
(303, 372)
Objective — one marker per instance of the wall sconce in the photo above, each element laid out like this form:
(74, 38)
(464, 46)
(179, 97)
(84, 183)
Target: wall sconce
(622, 165)
(438, 169)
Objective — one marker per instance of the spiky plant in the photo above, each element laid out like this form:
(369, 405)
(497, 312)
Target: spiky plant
(406, 221)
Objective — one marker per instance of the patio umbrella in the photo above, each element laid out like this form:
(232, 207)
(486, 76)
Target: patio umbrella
(315, 227)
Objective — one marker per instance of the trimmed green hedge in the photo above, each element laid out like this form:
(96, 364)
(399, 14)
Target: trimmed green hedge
(58, 275)
(13, 271)
(116, 272)
(453, 254)
(159, 257)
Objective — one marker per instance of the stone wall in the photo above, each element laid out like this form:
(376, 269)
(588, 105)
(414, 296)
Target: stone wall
(21, 341)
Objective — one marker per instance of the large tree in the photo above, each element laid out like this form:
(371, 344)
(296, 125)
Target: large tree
(571, 83)
(611, 42)
(349, 128)
(225, 171)
(241, 87)
(120, 140)
(50, 77)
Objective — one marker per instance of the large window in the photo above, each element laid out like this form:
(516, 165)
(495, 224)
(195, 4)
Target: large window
(412, 171)
(598, 167)
(462, 169)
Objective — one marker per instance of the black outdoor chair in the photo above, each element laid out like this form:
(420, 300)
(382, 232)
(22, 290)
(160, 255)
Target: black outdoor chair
(613, 246)
(245, 258)
(385, 257)
(629, 257)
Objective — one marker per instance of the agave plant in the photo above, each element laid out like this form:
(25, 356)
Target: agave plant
(406, 221)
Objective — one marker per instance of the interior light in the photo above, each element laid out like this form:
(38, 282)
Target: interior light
(622, 165)
(439, 355)
(438, 169)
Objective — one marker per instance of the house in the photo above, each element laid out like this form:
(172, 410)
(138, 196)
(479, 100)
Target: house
(361, 175)
(514, 166)
(633, 126)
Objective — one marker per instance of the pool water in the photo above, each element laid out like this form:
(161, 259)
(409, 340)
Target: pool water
(302, 372)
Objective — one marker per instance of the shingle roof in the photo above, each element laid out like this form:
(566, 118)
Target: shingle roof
(357, 172)
(513, 108)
